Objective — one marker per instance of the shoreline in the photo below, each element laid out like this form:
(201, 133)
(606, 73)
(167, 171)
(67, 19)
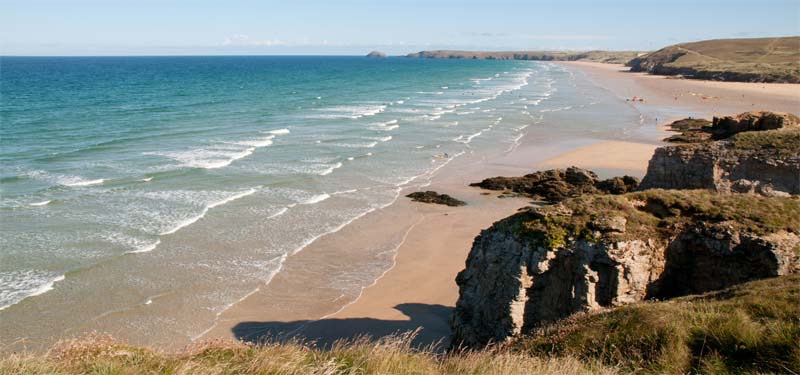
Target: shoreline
(392, 268)
(418, 290)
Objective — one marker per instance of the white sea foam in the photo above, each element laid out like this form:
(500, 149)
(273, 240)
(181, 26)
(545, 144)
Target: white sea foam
(390, 122)
(466, 139)
(189, 221)
(279, 131)
(278, 213)
(47, 287)
(79, 182)
(330, 169)
(42, 203)
(232, 198)
(207, 158)
(354, 145)
(515, 142)
(349, 111)
(146, 248)
(380, 139)
(18, 285)
(316, 199)
(258, 142)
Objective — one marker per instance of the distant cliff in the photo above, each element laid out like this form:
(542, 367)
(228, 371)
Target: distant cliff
(745, 60)
(618, 57)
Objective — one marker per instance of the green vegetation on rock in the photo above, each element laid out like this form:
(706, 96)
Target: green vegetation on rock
(785, 142)
(750, 328)
(655, 214)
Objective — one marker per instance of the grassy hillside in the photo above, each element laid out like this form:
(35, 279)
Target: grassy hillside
(748, 60)
(618, 57)
(751, 328)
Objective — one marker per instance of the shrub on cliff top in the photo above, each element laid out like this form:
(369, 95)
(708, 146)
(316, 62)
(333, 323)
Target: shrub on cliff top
(785, 142)
(655, 214)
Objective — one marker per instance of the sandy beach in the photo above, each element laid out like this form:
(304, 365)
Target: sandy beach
(419, 290)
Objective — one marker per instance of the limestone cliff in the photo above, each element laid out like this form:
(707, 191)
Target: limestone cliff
(597, 251)
(765, 162)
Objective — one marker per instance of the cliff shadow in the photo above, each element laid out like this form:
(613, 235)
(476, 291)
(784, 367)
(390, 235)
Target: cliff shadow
(431, 320)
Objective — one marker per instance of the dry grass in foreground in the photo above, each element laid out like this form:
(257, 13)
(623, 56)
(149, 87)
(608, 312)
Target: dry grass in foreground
(753, 328)
(393, 355)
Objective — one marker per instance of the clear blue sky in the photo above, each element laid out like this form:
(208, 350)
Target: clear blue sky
(178, 27)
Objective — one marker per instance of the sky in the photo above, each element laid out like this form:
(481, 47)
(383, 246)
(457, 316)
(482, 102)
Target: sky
(355, 27)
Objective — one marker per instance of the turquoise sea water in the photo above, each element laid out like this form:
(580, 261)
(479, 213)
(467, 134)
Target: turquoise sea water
(130, 176)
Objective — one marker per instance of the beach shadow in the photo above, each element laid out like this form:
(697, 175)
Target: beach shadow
(431, 320)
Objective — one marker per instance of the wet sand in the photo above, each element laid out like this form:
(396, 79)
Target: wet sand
(419, 290)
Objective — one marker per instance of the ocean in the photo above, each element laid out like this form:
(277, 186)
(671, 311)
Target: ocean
(133, 182)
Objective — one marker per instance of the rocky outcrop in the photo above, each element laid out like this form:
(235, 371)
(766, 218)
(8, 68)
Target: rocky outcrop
(727, 126)
(376, 54)
(555, 185)
(764, 162)
(598, 251)
(434, 197)
(700, 130)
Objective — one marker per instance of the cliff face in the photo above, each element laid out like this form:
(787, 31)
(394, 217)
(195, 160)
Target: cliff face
(765, 162)
(593, 252)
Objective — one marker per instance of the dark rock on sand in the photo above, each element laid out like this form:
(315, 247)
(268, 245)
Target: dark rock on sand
(558, 184)
(434, 197)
